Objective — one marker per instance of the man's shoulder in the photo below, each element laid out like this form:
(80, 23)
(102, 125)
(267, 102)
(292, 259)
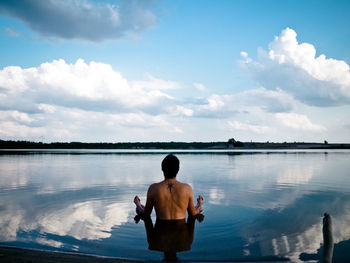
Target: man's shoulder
(185, 186)
(154, 185)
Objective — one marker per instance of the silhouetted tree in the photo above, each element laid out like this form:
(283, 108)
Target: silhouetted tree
(233, 143)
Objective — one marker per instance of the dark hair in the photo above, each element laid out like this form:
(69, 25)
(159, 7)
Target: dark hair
(170, 166)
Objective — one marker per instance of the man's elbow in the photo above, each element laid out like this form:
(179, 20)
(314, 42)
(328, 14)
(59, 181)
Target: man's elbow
(147, 214)
(193, 212)
(147, 211)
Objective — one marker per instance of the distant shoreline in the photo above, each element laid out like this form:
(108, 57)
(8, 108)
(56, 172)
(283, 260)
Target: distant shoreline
(171, 145)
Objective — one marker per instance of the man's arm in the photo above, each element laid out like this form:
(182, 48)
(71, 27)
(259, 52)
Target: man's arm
(141, 209)
(194, 210)
(149, 203)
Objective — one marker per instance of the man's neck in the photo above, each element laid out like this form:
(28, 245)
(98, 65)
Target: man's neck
(170, 180)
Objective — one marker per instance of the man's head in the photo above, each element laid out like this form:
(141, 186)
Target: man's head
(170, 166)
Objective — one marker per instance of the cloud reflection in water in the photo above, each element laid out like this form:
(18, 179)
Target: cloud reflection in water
(256, 204)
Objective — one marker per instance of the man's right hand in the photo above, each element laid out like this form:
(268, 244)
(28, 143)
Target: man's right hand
(137, 201)
(200, 202)
(139, 207)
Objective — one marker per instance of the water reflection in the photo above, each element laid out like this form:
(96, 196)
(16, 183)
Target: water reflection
(56, 173)
(297, 229)
(265, 181)
(86, 220)
(170, 236)
(258, 205)
(67, 213)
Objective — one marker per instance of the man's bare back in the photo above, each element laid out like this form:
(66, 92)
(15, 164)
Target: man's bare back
(170, 198)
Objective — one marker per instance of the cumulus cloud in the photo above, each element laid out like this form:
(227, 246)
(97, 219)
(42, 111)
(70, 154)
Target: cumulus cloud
(155, 84)
(48, 242)
(294, 68)
(248, 127)
(200, 86)
(180, 110)
(82, 19)
(67, 100)
(255, 100)
(298, 122)
(93, 102)
(94, 86)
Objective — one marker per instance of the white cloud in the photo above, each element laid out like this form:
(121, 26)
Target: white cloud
(248, 127)
(47, 108)
(59, 101)
(200, 86)
(94, 86)
(82, 19)
(13, 129)
(298, 122)
(48, 242)
(155, 84)
(67, 124)
(180, 110)
(294, 68)
(256, 100)
(176, 130)
(17, 116)
(244, 54)
(216, 102)
(68, 101)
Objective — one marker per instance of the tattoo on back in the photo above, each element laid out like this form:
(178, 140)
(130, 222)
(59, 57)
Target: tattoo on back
(170, 186)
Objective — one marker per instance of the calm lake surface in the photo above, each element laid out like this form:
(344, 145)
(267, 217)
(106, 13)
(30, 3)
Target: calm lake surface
(266, 204)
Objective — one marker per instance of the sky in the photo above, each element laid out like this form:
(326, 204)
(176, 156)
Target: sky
(175, 70)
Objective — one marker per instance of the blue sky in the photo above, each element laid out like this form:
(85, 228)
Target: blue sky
(175, 70)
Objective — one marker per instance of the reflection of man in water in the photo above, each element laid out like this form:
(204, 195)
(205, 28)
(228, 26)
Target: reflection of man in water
(170, 199)
(170, 236)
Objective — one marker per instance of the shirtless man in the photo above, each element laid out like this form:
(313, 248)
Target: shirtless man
(170, 198)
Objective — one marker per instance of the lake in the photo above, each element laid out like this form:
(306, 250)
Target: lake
(258, 204)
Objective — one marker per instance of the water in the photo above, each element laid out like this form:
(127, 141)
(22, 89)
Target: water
(258, 205)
